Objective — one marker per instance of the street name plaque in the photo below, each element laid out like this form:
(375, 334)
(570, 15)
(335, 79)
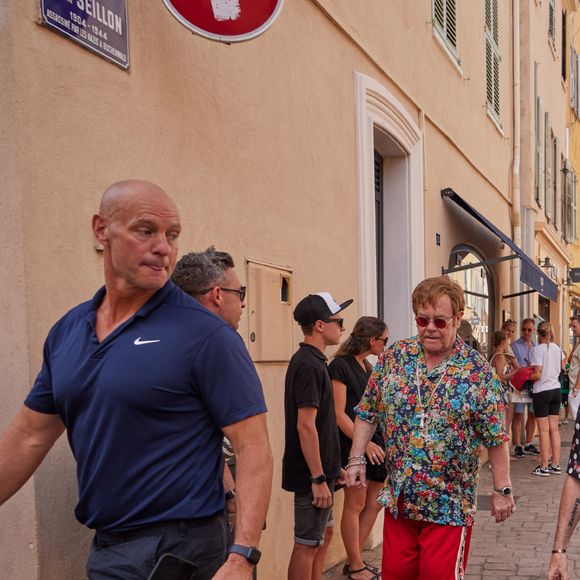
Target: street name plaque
(99, 25)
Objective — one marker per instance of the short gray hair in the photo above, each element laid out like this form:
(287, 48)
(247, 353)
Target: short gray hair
(197, 272)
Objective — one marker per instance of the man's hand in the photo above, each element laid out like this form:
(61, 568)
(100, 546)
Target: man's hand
(322, 496)
(356, 476)
(235, 568)
(558, 569)
(502, 506)
(375, 453)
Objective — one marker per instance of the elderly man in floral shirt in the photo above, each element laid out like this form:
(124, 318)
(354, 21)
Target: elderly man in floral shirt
(436, 401)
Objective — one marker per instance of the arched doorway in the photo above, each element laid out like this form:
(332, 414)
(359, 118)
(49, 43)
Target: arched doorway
(477, 284)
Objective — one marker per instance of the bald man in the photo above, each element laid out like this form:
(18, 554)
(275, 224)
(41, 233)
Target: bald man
(144, 380)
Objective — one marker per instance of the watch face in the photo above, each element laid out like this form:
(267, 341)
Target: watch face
(254, 555)
(506, 491)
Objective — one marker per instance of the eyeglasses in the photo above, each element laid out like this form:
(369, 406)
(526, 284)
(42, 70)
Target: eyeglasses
(385, 340)
(339, 321)
(241, 291)
(440, 323)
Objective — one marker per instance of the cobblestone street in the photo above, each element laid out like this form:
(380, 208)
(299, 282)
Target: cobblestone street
(520, 547)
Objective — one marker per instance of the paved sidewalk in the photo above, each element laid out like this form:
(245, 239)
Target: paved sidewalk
(519, 548)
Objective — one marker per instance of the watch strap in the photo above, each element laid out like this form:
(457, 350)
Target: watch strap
(250, 553)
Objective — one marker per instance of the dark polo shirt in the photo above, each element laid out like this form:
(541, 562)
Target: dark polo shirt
(308, 385)
(144, 408)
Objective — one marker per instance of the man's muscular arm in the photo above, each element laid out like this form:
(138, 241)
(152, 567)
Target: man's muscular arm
(568, 518)
(249, 439)
(23, 446)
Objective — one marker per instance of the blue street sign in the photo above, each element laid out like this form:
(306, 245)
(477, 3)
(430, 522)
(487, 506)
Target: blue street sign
(99, 25)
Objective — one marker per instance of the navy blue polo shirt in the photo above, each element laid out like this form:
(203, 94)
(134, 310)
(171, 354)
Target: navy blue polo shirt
(144, 408)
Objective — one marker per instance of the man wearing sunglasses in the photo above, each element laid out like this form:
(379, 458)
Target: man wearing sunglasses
(311, 463)
(211, 279)
(436, 402)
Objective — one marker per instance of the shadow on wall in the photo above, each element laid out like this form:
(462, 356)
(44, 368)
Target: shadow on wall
(63, 542)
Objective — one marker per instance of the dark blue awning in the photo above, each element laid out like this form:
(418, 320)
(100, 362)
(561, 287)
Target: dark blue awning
(530, 273)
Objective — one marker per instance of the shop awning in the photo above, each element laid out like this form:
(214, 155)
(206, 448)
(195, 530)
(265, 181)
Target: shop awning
(530, 273)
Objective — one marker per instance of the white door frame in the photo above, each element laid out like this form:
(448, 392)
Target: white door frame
(378, 108)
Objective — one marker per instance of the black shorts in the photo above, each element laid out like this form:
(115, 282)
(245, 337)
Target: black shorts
(547, 403)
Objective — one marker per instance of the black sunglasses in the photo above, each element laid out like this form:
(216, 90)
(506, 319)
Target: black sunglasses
(241, 291)
(385, 340)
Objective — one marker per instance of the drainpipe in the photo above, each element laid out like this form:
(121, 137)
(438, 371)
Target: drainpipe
(516, 194)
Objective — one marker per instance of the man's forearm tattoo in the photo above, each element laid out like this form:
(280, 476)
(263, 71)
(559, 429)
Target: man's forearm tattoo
(574, 516)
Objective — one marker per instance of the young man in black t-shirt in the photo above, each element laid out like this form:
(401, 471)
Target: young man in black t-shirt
(311, 463)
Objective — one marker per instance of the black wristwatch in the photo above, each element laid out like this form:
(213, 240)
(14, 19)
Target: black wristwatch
(251, 554)
(505, 491)
(318, 479)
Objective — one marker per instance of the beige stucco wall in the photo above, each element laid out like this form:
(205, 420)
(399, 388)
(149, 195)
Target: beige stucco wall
(552, 89)
(257, 144)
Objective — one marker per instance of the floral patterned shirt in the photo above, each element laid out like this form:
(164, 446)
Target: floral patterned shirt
(432, 457)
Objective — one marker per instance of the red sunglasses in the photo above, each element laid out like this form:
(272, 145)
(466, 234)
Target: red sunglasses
(440, 323)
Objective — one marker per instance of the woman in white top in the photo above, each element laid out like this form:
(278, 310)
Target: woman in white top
(546, 360)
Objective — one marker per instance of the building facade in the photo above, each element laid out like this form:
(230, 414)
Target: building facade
(349, 150)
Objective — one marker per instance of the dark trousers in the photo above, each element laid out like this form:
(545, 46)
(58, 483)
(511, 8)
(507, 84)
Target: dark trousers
(132, 555)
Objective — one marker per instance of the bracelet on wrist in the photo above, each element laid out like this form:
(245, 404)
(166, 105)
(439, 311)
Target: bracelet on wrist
(562, 551)
(359, 460)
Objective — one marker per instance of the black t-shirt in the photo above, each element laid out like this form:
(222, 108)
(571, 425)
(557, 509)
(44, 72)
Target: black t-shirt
(348, 371)
(308, 385)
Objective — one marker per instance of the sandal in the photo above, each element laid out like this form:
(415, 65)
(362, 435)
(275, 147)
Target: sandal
(375, 573)
(373, 569)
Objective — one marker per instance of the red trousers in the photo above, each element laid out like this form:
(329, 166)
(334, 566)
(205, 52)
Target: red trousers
(414, 550)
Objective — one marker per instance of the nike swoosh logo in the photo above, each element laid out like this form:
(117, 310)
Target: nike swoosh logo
(139, 342)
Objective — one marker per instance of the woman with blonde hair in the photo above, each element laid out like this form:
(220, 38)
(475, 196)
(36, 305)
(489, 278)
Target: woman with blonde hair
(546, 360)
(350, 371)
(505, 371)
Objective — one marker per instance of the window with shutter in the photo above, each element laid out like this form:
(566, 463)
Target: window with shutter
(547, 166)
(555, 181)
(492, 57)
(552, 23)
(573, 208)
(573, 79)
(578, 85)
(569, 204)
(537, 139)
(445, 22)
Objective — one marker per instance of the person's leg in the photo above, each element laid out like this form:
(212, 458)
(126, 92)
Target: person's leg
(301, 562)
(544, 429)
(508, 417)
(400, 548)
(318, 564)
(310, 525)
(443, 551)
(517, 424)
(369, 514)
(553, 421)
(554, 439)
(354, 501)
(530, 426)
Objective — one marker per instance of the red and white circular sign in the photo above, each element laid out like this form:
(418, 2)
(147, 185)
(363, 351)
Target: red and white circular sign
(226, 20)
